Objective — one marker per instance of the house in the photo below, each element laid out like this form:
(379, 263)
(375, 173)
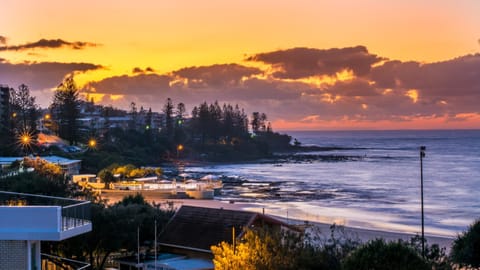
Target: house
(193, 230)
(69, 166)
(186, 240)
(27, 220)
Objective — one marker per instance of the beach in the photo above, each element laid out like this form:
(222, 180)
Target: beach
(363, 234)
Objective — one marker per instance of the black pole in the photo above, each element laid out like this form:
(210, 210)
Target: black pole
(422, 155)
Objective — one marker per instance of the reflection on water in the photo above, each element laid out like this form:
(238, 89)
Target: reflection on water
(379, 190)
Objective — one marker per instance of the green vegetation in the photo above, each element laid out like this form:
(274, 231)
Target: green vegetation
(266, 249)
(378, 254)
(261, 248)
(466, 248)
(114, 227)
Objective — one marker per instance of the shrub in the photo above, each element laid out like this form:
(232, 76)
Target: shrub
(379, 255)
(466, 248)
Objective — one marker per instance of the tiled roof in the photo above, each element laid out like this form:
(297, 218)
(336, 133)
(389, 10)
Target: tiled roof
(200, 228)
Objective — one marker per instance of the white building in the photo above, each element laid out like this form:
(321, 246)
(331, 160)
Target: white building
(28, 219)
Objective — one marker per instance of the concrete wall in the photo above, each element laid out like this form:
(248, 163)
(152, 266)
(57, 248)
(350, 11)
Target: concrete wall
(30, 223)
(13, 255)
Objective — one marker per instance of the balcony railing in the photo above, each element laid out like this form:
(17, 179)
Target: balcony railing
(50, 262)
(45, 217)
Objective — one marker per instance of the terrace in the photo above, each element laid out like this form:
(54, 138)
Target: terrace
(38, 217)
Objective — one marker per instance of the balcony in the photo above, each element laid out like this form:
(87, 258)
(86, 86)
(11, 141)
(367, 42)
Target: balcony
(45, 218)
(51, 262)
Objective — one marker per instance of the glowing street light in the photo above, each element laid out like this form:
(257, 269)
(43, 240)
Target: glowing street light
(92, 143)
(24, 140)
(179, 149)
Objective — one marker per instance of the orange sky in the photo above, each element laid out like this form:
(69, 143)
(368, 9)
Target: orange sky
(170, 35)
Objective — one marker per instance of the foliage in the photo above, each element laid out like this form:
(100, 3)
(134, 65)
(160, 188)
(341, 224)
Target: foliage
(43, 168)
(65, 110)
(273, 249)
(24, 109)
(377, 254)
(35, 183)
(466, 247)
(114, 228)
(434, 255)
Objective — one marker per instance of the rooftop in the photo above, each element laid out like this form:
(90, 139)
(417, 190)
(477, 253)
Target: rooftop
(198, 228)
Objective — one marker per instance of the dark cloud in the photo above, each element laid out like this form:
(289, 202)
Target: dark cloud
(140, 70)
(392, 90)
(137, 70)
(3, 40)
(48, 43)
(40, 75)
(305, 62)
(226, 75)
(456, 77)
(138, 85)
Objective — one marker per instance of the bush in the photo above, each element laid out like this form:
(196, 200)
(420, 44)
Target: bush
(466, 248)
(379, 255)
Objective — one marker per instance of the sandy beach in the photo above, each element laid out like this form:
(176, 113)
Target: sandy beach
(363, 234)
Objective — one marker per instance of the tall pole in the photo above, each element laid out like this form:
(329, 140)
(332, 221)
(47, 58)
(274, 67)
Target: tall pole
(138, 244)
(233, 238)
(155, 244)
(422, 155)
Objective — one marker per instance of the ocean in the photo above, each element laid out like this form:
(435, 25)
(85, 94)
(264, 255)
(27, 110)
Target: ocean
(377, 187)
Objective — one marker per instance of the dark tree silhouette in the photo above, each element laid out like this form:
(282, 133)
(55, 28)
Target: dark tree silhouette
(65, 110)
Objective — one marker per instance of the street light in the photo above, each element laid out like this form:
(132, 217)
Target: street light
(179, 149)
(92, 143)
(422, 155)
(24, 140)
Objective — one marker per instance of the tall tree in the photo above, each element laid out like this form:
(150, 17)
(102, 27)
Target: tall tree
(65, 110)
(133, 116)
(168, 112)
(24, 108)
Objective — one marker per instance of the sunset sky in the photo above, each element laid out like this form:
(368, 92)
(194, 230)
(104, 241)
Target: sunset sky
(308, 64)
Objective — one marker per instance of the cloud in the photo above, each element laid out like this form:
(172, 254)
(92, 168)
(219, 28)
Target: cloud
(137, 70)
(40, 75)
(48, 44)
(226, 75)
(299, 63)
(3, 40)
(140, 70)
(387, 91)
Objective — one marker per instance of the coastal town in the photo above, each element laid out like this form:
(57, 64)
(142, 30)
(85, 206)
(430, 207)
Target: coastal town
(239, 135)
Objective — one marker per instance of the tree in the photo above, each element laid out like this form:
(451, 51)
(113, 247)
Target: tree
(264, 248)
(377, 254)
(24, 108)
(168, 112)
(466, 248)
(115, 228)
(65, 110)
(107, 177)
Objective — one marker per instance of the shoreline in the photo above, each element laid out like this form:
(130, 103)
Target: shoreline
(363, 234)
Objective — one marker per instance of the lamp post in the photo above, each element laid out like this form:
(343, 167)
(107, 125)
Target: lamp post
(179, 149)
(422, 155)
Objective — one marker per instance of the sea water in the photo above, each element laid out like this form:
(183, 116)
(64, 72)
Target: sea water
(377, 187)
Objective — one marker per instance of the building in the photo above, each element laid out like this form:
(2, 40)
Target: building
(27, 220)
(4, 104)
(193, 230)
(69, 166)
(186, 240)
